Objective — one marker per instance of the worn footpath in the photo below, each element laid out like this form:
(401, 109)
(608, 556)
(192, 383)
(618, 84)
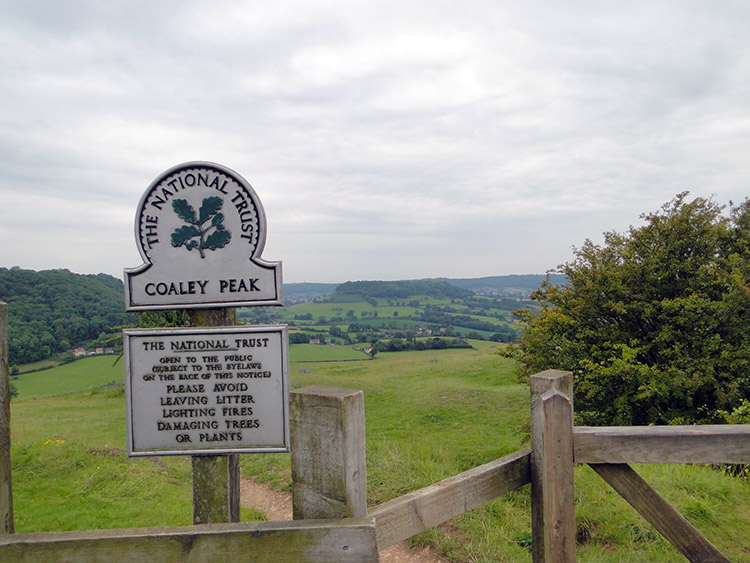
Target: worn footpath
(277, 506)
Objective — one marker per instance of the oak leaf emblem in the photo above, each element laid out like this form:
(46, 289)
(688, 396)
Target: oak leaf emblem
(204, 232)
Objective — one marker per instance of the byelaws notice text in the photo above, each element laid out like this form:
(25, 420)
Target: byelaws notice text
(219, 390)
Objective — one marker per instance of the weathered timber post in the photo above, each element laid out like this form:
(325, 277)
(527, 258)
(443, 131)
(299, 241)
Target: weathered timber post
(327, 426)
(557, 479)
(6, 488)
(541, 383)
(216, 478)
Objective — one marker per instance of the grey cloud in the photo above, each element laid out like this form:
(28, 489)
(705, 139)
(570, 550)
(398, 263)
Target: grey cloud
(500, 133)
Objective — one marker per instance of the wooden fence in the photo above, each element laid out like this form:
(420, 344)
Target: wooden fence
(556, 446)
(332, 520)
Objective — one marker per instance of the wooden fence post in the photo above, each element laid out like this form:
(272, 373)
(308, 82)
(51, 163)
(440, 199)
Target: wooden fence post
(216, 478)
(541, 383)
(6, 488)
(327, 432)
(557, 479)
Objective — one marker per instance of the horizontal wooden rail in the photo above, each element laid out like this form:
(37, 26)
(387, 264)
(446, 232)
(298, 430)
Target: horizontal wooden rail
(410, 514)
(709, 443)
(310, 541)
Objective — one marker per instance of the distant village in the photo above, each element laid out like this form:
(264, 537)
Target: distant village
(82, 352)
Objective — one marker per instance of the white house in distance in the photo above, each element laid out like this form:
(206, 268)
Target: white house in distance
(81, 352)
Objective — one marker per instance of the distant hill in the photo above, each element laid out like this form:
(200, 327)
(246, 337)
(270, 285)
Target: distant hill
(514, 285)
(402, 289)
(300, 292)
(52, 311)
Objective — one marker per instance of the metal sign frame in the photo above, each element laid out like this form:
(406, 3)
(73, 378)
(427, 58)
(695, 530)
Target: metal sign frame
(240, 384)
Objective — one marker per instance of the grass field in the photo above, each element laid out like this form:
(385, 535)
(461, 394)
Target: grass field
(321, 353)
(429, 415)
(386, 308)
(82, 375)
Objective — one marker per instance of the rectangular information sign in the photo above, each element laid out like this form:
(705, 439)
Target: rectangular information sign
(207, 390)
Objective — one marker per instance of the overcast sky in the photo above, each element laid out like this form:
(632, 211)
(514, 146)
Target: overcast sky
(385, 140)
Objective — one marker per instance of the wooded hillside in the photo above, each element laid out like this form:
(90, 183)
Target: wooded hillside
(54, 310)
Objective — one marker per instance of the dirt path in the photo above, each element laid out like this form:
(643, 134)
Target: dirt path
(277, 506)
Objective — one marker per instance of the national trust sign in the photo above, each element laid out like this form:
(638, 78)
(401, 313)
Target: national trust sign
(200, 229)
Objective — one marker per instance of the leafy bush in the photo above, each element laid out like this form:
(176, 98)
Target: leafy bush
(655, 323)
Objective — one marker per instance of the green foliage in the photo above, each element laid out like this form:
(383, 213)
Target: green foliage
(739, 415)
(185, 234)
(160, 319)
(654, 324)
(300, 337)
(53, 310)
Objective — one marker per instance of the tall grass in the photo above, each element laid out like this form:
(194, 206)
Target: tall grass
(70, 471)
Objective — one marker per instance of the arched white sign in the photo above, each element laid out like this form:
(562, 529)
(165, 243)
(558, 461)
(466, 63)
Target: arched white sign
(200, 229)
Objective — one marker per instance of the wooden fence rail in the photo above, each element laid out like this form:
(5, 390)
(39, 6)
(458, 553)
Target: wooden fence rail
(710, 443)
(318, 541)
(658, 512)
(401, 518)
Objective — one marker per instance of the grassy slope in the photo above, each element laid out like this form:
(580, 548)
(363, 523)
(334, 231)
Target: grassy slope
(429, 415)
(318, 353)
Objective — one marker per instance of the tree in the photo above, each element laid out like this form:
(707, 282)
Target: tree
(51, 310)
(654, 323)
